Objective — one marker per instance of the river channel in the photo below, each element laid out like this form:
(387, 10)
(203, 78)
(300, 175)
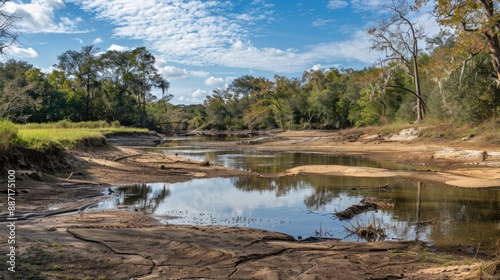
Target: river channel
(305, 206)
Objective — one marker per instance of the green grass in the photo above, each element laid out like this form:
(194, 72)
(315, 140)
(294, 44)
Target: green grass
(63, 133)
(66, 137)
(68, 124)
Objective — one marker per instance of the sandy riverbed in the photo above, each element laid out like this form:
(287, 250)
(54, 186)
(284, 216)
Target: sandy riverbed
(127, 244)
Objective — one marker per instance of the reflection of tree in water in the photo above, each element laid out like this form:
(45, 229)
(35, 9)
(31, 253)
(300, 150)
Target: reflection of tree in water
(320, 198)
(323, 190)
(464, 214)
(273, 162)
(459, 214)
(144, 196)
(281, 185)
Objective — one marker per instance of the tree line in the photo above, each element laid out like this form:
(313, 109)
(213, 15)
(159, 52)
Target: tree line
(84, 86)
(455, 80)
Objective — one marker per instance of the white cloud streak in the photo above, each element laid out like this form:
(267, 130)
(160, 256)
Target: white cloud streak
(201, 33)
(215, 82)
(21, 52)
(337, 4)
(174, 73)
(39, 17)
(115, 47)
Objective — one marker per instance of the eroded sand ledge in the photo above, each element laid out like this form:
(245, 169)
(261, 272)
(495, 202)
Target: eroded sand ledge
(469, 178)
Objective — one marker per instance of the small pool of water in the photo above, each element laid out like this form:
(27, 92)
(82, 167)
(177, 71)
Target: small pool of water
(305, 206)
(264, 162)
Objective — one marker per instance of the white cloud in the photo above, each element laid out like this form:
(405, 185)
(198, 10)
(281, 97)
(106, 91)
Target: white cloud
(20, 52)
(174, 73)
(188, 32)
(47, 70)
(215, 82)
(97, 40)
(78, 40)
(198, 96)
(368, 5)
(322, 22)
(317, 67)
(355, 48)
(337, 4)
(201, 33)
(118, 48)
(39, 17)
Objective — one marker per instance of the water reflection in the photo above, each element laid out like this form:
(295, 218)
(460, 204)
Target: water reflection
(265, 162)
(142, 197)
(304, 206)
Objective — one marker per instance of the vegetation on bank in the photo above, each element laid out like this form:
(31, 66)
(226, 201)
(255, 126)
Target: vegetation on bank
(65, 134)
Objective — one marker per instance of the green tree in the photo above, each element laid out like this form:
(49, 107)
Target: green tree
(116, 79)
(216, 109)
(52, 101)
(327, 103)
(143, 77)
(261, 115)
(74, 98)
(82, 66)
(288, 90)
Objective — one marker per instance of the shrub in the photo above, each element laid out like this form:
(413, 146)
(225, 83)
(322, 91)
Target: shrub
(8, 134)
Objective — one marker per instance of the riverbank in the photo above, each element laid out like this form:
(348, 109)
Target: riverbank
(128, 244)
(467, 164)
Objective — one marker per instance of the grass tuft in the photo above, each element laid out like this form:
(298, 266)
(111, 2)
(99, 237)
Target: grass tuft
(8, 135)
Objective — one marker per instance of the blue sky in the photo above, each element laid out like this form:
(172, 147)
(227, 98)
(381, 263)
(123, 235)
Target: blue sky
(201, 45)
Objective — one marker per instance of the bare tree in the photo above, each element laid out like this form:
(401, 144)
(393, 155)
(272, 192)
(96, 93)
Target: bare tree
(398, 37)
(7, 36)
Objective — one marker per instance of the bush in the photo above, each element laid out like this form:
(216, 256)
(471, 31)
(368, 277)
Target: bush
(8, 134)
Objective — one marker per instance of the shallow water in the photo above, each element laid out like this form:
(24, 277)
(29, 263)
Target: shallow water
(264, 162)
(304, 206)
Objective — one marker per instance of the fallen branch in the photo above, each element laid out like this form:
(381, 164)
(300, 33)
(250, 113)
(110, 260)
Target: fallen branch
(128, 156)
(379, 188)
(366, 204)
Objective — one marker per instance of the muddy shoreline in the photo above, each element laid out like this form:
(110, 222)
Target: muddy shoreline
(124, 244)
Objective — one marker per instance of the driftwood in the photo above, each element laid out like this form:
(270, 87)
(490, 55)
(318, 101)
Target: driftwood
(384, 188)
(367, 204)
(128, 156)
(261, 140)
(370, 232)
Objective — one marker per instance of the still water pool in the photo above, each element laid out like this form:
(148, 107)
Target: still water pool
(305, 206)
(264, 162)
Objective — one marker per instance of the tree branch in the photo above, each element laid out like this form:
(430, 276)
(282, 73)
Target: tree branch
(410, 91)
